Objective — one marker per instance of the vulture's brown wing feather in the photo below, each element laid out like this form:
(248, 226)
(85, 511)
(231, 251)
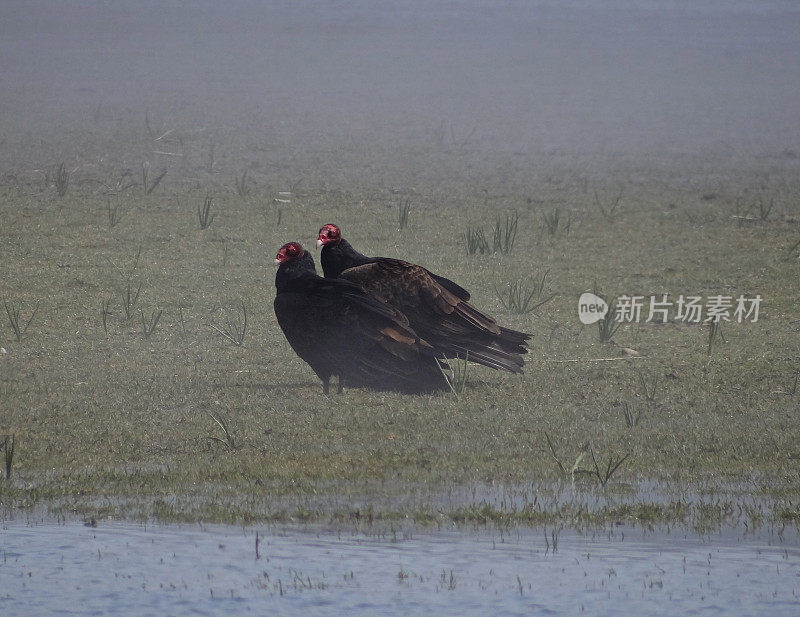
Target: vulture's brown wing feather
(454, 288)
(421, 297)
(448, 322)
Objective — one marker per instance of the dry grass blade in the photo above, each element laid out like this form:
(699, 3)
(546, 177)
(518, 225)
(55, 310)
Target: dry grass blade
(649, 388)
(114, 215)
(402, 214)
(608, 325)
(9, 444)
(765, 207)
(519, 297)
(603, 476)
(129, 299)
(475, 241)
(156, 182)
(235, 330)
(127, 276)
(793, 252)
(210, 166)
(505, 234)
(551, 220)
(793, 390)
(61, 180)
(227, 439)
(630, 414)
(242, 187)
(714, 333)
(608, 211)
(149, 325)
(13, 318)
(105, 313)
(575, 469)
(455, 373)
(204, 212)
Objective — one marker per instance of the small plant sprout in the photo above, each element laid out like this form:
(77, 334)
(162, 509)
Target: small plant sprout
(793, 252)
(475, 241)
(448, 583)
(242, 186)
(575, 468)
(149, 324)
(521, 299)
(128, 275)
(608, 325)
(105, 313)
(455, 374)
(183, 324)
(743, 209)
(630, 414)
(648, 386)
(204, 212)
(552, 221)
(149, 187)
(714, 333)
(608, 210)
(61, 180)
(551, 543)
(121, 185)
(227, 438)
(402, 214)
(505, 234)
(234, 330)
(210, 166)
(114, 215)
(9, 442)
(765, 207)
(604, 475)
(129, 299)
(13, 319)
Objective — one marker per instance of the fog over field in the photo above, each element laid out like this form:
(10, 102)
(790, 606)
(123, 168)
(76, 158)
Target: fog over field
(155, 155)
(387, 83)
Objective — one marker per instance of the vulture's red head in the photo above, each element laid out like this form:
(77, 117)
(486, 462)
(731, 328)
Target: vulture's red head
(329, 234)
(288, 252)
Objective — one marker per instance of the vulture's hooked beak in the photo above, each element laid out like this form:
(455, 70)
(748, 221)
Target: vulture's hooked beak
(319, 243)
(276, 263)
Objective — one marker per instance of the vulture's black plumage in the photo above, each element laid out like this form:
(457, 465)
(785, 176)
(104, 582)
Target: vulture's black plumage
(339, 329)
(436, 307)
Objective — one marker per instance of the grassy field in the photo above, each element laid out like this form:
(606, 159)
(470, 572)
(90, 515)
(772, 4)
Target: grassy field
(125, 400)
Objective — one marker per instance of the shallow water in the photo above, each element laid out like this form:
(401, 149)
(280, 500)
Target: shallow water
(131, 569)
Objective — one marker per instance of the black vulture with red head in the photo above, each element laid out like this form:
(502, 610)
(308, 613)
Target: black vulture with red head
(340, 330)
(437, 308)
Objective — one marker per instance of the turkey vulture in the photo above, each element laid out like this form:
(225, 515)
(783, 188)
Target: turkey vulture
(339, 329)
(436, 307)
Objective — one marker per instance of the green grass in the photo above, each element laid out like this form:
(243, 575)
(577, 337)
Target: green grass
(110, 421)
(204, 215)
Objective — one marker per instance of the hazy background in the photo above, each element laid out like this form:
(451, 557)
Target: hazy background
(278, 86)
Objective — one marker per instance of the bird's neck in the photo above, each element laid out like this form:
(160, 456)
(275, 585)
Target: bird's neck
(292, 271)
(338, 258)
